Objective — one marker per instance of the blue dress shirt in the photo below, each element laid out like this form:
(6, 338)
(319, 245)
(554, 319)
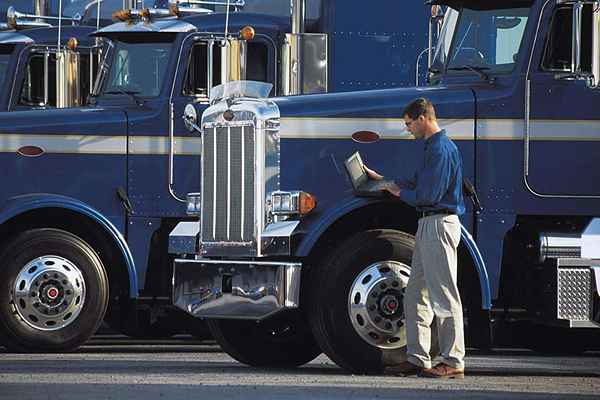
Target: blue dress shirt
(437, 185)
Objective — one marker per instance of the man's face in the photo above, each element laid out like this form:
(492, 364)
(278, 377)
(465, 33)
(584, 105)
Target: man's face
(415, 126)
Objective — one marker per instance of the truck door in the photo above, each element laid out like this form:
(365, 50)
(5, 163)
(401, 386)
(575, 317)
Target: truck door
(564, 121)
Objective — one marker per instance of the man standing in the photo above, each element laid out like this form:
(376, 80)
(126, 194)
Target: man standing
(432, 290)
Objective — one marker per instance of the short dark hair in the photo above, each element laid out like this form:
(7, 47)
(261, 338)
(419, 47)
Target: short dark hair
(418, 107)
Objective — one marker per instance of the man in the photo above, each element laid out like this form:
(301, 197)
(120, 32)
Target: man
(432, 289)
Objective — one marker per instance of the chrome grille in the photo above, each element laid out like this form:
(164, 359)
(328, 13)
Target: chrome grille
(228, 184)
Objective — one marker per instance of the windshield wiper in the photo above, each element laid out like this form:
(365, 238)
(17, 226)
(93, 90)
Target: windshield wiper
(477, 70)
(130, 93)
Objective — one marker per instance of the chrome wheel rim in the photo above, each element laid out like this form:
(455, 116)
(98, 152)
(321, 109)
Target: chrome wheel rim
(376, 304)
(48, 293)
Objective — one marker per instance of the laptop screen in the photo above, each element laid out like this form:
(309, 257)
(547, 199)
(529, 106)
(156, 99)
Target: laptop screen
(356, 171)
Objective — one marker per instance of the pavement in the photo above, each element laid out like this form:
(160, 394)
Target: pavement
(120, 368)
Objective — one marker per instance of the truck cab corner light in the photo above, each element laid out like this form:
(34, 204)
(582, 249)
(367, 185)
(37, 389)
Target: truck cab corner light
(307, 203)
(121, 15)
(72, 44)
(247, 33)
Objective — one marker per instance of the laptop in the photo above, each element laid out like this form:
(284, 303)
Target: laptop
(361, 183)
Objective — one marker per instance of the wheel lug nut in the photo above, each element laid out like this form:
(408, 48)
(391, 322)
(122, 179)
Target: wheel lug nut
(46, 276)
(64, 281)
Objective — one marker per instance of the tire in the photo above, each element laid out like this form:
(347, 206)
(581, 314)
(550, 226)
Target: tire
(283, 340)
(53, 293)
(362, 281)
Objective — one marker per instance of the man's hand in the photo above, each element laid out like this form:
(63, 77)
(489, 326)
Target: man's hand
(393, 189)
(373, 175)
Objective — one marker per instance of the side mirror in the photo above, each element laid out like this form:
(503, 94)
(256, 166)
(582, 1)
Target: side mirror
(190, 118)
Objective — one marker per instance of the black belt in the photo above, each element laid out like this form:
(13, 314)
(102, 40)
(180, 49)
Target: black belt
(424, 214)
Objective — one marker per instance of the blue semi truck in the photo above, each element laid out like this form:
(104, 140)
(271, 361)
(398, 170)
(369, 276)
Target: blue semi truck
(94, 191)
(286, 262)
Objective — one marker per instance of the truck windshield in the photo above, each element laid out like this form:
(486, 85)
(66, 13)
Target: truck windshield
(138, 68)
(483, 40)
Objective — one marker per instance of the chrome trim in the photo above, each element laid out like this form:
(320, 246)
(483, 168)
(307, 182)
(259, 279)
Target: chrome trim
(229, 181)
(46, 77)
(596, 271)
(243, 193)
(159, 26)
(298, 15)
(235, 289)
(576, 38)
(172, 154)
(214, 205)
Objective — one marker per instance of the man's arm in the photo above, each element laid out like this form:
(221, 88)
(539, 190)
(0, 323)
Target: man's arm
(434, 180)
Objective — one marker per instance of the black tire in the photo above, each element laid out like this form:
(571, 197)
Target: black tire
(18, 331)
(330, 284)
(283, 340)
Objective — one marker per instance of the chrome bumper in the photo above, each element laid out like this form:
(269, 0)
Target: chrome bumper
(235, 289)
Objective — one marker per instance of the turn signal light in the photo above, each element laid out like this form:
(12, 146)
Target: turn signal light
(121, 15)
(145, 14)
(174, 10)
(72, 44)
(307, 202)
(247, 33)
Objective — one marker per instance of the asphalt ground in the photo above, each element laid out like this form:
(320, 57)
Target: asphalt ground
(114, 367)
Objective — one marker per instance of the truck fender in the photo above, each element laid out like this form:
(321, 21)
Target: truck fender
(354, 203)
(484, 281)
(20, 204)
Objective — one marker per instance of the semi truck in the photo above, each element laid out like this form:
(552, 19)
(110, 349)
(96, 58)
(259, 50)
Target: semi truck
(286, 262)
(95, 191)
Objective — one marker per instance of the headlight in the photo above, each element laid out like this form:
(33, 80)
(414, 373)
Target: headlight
(193, 204)
(292, 203)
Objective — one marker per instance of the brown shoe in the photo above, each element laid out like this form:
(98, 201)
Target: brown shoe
(443, 371)
(405, 368)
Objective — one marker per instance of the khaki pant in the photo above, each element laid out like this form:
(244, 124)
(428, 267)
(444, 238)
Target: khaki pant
(432, 291)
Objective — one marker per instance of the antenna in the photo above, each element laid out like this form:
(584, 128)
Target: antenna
(227, 18)
(59, 23)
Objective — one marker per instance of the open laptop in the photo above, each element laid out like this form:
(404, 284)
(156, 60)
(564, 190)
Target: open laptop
(361, 183)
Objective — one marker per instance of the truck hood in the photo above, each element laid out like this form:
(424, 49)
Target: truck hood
(449, 103)
(70, 121)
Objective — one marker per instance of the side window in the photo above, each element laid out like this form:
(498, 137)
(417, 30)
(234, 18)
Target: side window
(196, 80)
(559, 41)
(257, 63)
(33, 91)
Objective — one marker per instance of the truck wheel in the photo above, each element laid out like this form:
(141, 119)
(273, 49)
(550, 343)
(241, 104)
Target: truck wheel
(356, 300)
(283, 340)
(53, 292)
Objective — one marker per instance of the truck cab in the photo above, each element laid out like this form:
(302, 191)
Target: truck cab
(100, 187)
(320, 269)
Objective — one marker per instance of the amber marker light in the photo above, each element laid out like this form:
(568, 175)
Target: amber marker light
(72, 44)
(121, 15)
(174, 10)
(306, 203)
(145, 13)
(247, 33)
